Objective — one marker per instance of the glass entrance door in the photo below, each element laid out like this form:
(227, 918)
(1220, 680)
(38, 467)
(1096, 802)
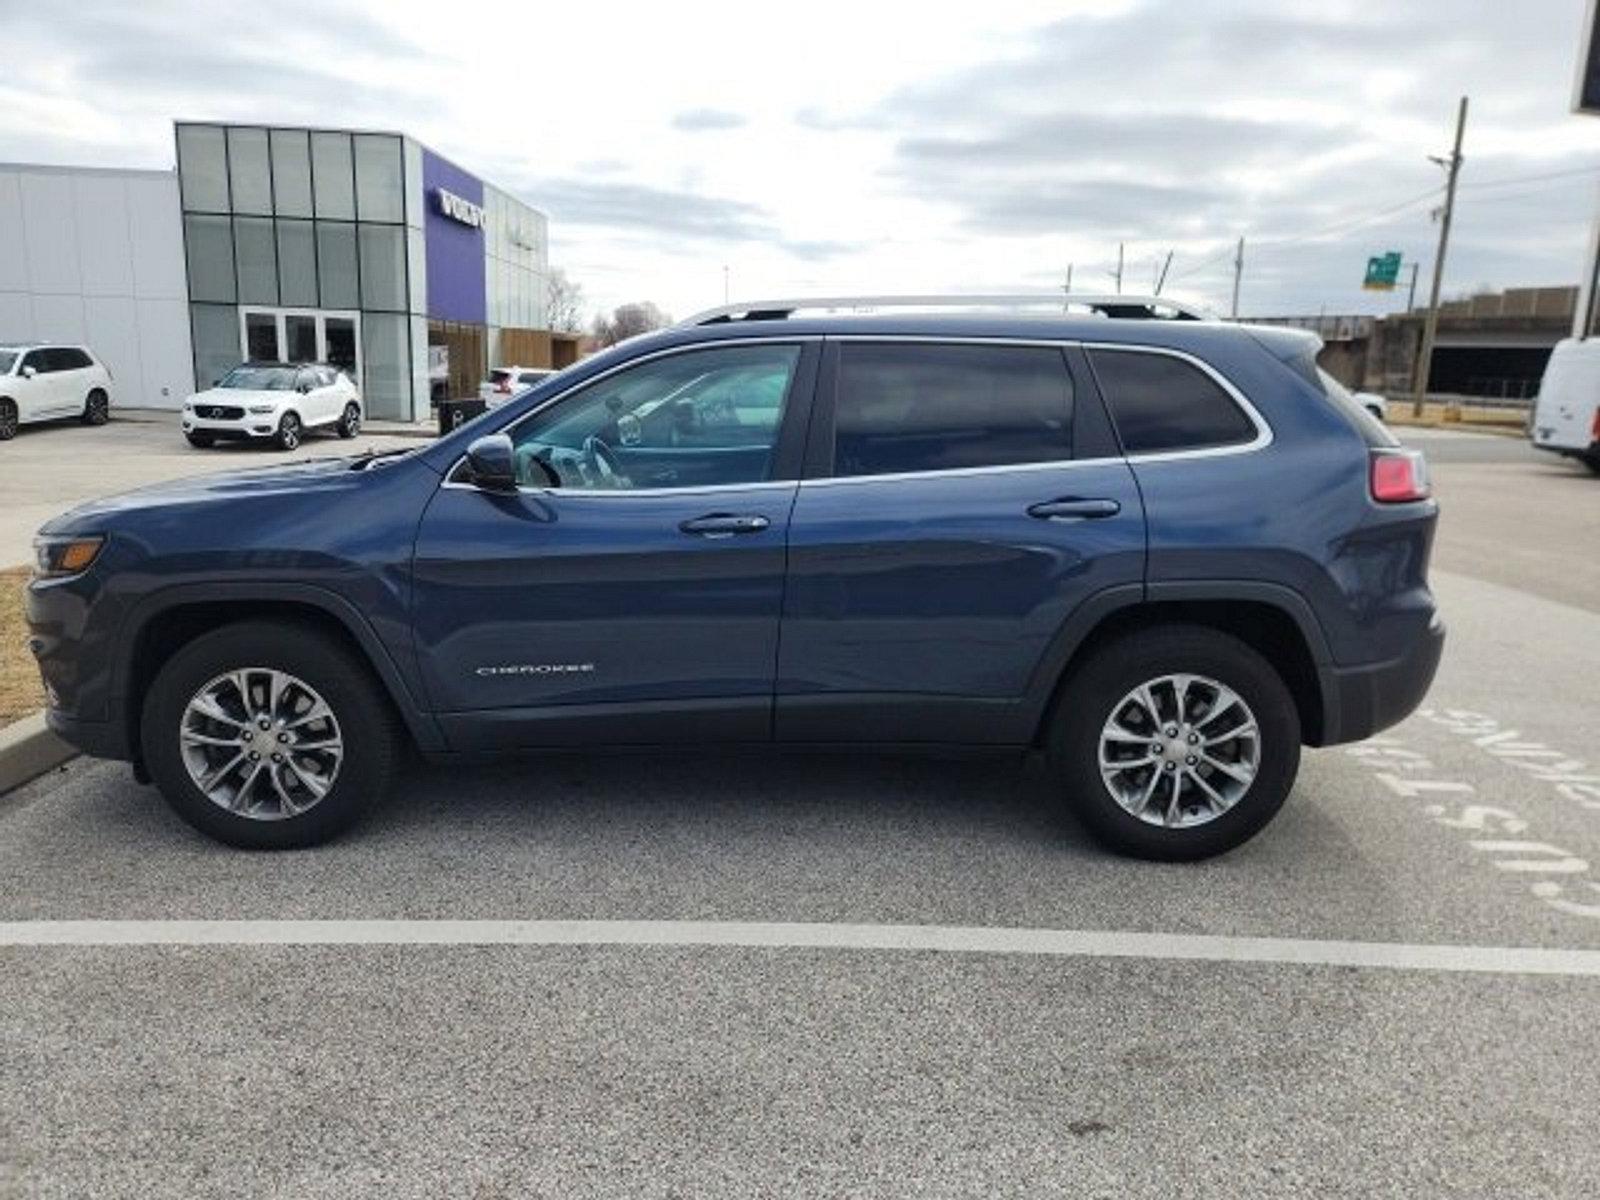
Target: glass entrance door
(302, 335)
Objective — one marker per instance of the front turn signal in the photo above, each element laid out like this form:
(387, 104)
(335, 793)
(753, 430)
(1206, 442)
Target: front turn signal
(58, 558)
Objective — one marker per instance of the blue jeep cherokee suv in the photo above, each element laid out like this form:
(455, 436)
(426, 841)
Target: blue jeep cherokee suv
(1166, 552)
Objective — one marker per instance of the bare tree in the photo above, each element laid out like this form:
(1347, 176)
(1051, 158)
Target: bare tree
(628, 320)
(563, 303)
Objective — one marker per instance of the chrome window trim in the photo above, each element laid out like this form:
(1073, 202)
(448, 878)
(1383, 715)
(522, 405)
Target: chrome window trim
(1055, 464)
(1264, 434)
(687, 348)
(622, 493)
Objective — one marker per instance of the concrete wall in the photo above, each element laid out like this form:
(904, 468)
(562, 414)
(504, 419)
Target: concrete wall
(96, 256)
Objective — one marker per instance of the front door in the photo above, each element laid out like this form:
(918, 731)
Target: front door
(303, 336)
(961, 501)
(629, 591)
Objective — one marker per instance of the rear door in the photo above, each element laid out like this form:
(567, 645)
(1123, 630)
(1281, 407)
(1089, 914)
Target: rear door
(962, 500)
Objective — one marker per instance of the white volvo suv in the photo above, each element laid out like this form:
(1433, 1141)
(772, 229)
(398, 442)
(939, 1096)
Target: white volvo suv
(42, 381)
(273, 402)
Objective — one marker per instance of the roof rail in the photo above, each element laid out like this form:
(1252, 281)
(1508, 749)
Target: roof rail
(1138, 307)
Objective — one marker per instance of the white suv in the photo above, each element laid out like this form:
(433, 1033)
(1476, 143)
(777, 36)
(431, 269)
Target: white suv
(42, 381)
(273, 402)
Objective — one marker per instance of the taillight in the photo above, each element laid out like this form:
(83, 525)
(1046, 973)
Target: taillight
(1398, 476)
(1594, 425)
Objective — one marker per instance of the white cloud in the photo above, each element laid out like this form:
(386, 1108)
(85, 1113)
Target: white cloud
(881, 147)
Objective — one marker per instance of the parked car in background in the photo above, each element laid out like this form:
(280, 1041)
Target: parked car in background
(506, 382)
(46, 381)
(1566, 417)
(273, 402)
(1375, 404)
(1162, 552)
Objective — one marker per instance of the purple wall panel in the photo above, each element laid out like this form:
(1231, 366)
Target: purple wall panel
(455, 252)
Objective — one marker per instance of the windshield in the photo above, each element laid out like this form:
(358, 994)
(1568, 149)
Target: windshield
(7, 357)
(259, 379)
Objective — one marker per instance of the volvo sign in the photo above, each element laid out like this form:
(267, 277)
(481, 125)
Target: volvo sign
(457, 209)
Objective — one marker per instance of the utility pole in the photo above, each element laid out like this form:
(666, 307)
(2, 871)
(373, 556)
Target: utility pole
(1066, 289)
(1119, 268)
(1161, 280)
(1238, 274)
(1411, 298)
(724, 283)
(1430, 326)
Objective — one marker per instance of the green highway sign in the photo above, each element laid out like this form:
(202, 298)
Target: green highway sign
(1383, 272)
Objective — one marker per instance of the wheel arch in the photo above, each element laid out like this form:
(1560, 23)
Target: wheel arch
(170, 618)
(1275, 621)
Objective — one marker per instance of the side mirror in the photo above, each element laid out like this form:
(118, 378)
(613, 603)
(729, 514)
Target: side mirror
(29, 372)
(491, 463)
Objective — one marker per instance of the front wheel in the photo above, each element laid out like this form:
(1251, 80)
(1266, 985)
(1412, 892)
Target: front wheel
(1592, 461)
(1177, 743)
(200, 441)
(288, 435)
(268, 735)
(350, 423)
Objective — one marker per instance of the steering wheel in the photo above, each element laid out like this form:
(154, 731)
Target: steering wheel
(603, 459)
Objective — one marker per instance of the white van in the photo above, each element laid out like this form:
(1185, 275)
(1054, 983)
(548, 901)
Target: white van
(1566, 419)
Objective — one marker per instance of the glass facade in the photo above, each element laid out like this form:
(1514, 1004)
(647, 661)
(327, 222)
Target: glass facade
(296, 246)
(351, 248)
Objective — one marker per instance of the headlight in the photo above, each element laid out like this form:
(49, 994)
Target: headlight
(57, 558)
(261, 410)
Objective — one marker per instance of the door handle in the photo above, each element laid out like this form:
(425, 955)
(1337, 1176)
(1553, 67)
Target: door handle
(1074, 508)
(721, 525)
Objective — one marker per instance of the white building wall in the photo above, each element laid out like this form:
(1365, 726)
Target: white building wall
(516, 244)
(96, 256)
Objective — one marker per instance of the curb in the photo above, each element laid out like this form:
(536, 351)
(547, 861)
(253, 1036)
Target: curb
(27, 750)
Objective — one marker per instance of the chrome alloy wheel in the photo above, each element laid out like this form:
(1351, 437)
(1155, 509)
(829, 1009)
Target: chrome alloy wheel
(261, 743)
(1179, 750)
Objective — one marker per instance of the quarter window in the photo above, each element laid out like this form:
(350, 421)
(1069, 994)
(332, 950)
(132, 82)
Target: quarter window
(915, 407)
(698, 419)
(1161, 402)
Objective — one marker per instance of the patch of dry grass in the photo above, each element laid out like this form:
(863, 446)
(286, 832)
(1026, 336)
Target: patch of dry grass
(20, 690)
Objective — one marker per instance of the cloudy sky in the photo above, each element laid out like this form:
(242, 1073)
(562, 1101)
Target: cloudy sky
(872, 147)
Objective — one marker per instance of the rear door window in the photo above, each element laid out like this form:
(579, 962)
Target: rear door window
(911, 407)
(1164, 403)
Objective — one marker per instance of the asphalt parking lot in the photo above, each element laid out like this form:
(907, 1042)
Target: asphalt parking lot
(729, 975)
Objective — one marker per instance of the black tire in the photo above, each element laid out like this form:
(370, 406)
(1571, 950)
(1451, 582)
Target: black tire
(350, 423)
(1592, 461)
(1107, 676)
(8, 419)
(96, 408)
(367, 724)
(289, 432)
(200, 441)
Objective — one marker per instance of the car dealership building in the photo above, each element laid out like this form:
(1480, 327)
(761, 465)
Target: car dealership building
(363, 249)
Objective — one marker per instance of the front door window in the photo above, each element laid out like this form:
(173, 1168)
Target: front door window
(702, 418)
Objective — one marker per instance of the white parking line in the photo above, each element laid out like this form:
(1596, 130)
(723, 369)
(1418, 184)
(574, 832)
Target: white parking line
(1497, 960)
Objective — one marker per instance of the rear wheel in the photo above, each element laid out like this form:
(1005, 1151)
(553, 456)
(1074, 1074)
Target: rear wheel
(1592, 461)
(350, 424)
(96, 408)
(288, 435)
(201, 441)
(268, 735)
(8, 419)
(1177, 743)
